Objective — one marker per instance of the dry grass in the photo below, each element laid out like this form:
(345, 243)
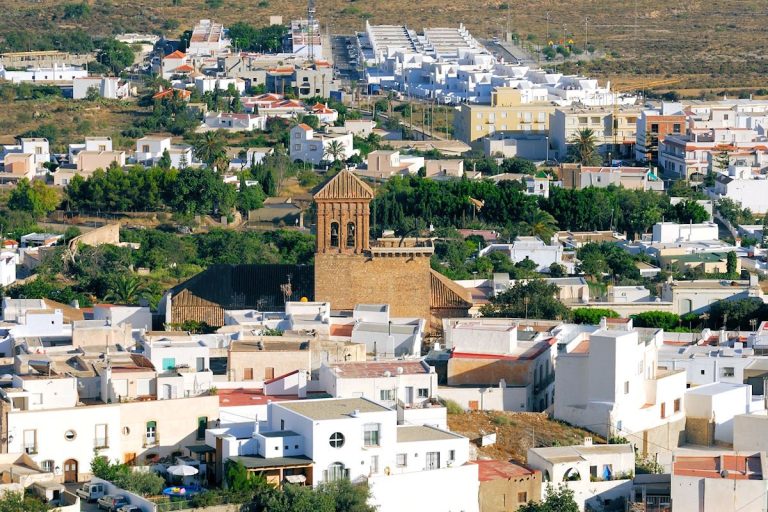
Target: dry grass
(72, 119)
(515, 432)
(715, 44)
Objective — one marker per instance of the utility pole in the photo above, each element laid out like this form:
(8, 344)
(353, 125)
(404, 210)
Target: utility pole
(586, 32)
(547, 28)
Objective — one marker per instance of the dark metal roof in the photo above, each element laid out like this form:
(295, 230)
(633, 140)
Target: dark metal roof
(250, 286)
(273, 462)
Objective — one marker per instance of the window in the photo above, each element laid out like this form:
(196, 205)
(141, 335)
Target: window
(654, 128)
(47, 466)
(247, 373)
(402, 460)
(100, 439)
(663, 410)
(336, 440)
(202, 424)
(169, 363)
(313, 147)
(297, 147)
(702, 372)
(423, 393)
(102, 147)
(145, 148)
(387, 394)
(335, 471)
(200, 364)
(334, 234)
(30, 441)
(282, 424)
(371, 432)
(676, 128)
(374, 464)
(70, 435)
(451, 455)
(151, 433)
(677, 405)
(593, 471)
(522, 497)
(626, 387)
(727, 371)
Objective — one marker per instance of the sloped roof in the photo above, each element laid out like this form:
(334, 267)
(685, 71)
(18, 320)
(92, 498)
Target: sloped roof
(246, 286)
(447, 294)
(175, 55)
(345, 185)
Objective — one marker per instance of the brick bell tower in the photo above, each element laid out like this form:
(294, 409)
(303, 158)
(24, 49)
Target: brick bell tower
(343, 215)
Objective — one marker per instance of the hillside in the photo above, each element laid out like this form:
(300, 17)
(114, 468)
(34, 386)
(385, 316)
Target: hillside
(515, 432)
(714, 44)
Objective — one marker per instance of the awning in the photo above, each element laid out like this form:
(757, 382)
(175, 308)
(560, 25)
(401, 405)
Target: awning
(200, 448)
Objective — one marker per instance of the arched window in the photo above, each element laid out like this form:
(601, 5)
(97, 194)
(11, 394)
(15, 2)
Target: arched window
(335, 471)
(572, 475)
(334, 234)
(351, 234)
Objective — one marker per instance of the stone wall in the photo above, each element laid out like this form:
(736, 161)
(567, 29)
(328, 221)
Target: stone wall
(108, 234)
(700, 431)
(478, 372)
(501, 494)
(403, 282)
(663, 438)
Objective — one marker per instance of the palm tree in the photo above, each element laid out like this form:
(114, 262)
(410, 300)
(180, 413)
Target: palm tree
(335, 150)
(539, 223)
(210, 148)
(124, 289)
(584, 148)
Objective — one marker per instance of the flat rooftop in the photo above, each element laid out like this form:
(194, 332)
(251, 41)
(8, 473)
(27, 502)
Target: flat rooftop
(360, 370)
(414, 434)
(731, 467)
(333, 408)
(559, 454)
(489, 470)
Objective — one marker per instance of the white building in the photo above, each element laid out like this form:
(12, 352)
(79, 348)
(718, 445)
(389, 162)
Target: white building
(234, 122)
(37, 148)
(57, 74)
(8, 262)
(534, 249)
(138, 317)
(671, 232)
(358, 439)
(311, 147)
(409, 386)
(595, 473)
(383, 164)
(176, 63)
(150, 149)
(209, 84)
(611, 384)
(208, 39)
(744, 186)
(717, 404)
(720, 483)
(698, 295)
(111, 88)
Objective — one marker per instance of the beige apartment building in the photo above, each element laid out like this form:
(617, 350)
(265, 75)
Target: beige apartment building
(614, 130)
(506, 114)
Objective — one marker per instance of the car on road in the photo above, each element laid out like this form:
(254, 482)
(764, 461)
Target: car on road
(91, 492)
(130, 508)
(112, 502)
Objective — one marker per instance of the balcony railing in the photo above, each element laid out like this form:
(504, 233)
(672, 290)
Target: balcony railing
(151, 441)
(30, 449)
(100, 442)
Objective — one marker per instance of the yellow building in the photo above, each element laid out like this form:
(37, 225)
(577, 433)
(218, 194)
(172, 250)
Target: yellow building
(506, 113)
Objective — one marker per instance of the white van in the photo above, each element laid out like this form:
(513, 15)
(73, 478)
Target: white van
(91, 492)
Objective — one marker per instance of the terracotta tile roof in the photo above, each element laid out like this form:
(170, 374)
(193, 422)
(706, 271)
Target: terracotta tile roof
(581, 348)
(240, 397)
(170, 92)
(341, 329)
(447, 294)
(304, 127)
(175, 55)
(185, 68)
(489, 470)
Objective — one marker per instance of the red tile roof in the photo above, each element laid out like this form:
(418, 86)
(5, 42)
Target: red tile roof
(489, 470)
(304, 127)
(342, 329)
(242, 397)
(169, 92)
(176, 55)
(185, 68)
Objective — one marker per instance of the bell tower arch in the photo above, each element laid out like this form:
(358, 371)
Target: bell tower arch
(343, 215)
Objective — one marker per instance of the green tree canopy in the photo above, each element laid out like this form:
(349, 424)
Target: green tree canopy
(592, 316)
(36, 198)
(560, 499)
(583, 148)
(533, 299)
(114, 54)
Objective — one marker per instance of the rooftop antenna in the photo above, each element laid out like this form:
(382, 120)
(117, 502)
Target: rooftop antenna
(311, 28)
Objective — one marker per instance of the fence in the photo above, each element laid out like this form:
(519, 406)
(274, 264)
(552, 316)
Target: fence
(212, 504)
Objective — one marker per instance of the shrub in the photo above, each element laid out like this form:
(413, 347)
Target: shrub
(500, 420)
(451, 406)
(592, 316)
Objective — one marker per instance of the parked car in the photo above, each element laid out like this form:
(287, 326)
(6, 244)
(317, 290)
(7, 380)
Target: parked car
(112, 502)
(90, 492)
(130, 508)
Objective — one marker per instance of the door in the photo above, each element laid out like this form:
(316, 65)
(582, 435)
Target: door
(151, 436)
(167, 391)
(409, 395)
(200, 364)
(433, 460)
(70, 471)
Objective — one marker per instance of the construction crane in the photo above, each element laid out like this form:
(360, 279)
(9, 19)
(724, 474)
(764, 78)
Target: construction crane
(636, 85)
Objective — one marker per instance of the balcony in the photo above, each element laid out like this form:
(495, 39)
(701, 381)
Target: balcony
(100, 442)
(150, 442)
(30, 449)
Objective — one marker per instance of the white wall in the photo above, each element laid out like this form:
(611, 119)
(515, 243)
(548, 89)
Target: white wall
(445, 490)
(490, 398)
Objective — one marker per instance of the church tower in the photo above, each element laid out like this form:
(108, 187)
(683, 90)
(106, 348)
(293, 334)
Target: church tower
(343, 215)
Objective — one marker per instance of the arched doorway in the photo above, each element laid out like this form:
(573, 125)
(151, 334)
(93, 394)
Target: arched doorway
(70, 471)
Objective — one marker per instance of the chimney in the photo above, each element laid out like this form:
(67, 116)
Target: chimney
(255, 426)
(603, 323)
(722, 337)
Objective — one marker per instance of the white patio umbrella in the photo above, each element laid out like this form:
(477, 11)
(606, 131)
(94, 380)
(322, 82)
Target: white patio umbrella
(182, 470)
